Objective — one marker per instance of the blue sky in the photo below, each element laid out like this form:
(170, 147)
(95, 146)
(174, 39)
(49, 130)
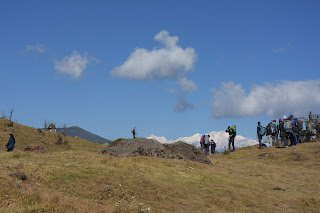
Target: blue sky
(170, 68)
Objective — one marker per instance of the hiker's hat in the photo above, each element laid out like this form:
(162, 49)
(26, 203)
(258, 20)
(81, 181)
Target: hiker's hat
(284, 117)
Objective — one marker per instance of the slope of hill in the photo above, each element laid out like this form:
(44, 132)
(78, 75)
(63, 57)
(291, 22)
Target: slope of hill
(80, 179)
(49, 141)
(75, 131)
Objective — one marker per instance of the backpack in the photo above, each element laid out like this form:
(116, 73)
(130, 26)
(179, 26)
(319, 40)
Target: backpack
(206, 139)
(300, 126)
(287, 127)
(296, 125)
(234, 129)
(273, 128)
(262, 131)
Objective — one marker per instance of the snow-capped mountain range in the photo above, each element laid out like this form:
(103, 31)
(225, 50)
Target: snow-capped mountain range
(221, 139)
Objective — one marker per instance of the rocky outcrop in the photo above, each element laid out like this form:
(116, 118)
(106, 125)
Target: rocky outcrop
(136, 147)
(152, 148)
(180, 150)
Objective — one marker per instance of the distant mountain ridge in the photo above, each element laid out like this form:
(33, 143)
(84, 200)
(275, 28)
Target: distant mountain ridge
(76, 131)
(221, 139)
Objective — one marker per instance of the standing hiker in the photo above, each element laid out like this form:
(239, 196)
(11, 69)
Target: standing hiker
(261, 131)
(232, 134)
(285, 129)
(269, 133)
(134, 132)
(201, 143)
(274, 133)
(206, 144)
(213, 146)
(293, 133)
(10, 144)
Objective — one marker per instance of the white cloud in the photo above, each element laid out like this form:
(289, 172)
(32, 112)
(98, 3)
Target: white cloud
(279, 50)
(220, 138)
(169, 62)
(40, 48)
(73, 65)
(287, 97)
(187, 85)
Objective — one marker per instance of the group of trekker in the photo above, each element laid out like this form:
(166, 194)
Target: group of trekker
(279, 134)
(206, 143)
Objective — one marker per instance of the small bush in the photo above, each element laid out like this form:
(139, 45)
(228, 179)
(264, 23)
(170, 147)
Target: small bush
(61, 142)
(226, 151)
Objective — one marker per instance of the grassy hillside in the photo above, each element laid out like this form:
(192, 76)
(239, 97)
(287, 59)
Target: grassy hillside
(27, 136)
(79, 179)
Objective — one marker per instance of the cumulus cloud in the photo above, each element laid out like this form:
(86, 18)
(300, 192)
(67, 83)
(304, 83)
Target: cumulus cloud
(168, 62)
(73, 65)
(40, 48)
(220, 138)
(271, 99)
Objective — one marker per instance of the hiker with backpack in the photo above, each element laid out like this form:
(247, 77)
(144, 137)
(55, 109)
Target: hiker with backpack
(297, 127)
(300, 127)
(206, 144)
(10, 144)
(293, 133)
(274, 133)
(232, 134)
(261, 131)
(201, 143)
(269, 133)
(283, 133)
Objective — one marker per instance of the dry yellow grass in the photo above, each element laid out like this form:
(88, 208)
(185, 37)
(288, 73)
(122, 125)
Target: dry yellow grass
(79, 179)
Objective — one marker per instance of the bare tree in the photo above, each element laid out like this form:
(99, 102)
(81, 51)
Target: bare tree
(4, 115)
(45, 124)
(10, 118)
(64, 129)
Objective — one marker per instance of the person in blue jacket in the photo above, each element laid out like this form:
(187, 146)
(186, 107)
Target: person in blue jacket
(10, 144)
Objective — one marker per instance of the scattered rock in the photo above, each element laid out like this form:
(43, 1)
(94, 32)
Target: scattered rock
(34, 148)
(60, 142)
(279, 189)
(19, 175)
(266, 155)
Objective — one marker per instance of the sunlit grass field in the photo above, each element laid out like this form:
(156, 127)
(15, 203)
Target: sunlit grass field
(77, 178)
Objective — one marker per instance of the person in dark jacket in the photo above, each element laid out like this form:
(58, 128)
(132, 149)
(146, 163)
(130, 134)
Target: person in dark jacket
(213, 146)
(10, 144)
(232, 135)
(259, 135)
(283, 134)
